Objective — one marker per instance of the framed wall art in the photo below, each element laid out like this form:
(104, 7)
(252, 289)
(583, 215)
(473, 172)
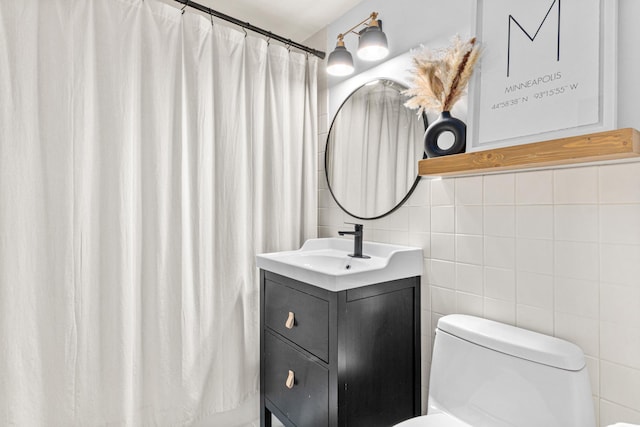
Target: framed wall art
(548, 70)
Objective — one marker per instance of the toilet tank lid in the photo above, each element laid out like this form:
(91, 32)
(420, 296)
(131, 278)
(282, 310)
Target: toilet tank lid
(514, 341)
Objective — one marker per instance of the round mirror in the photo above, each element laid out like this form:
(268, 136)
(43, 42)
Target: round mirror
(373, 149)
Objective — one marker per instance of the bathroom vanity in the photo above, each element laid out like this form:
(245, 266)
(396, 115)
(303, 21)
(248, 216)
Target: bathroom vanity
(337, 349)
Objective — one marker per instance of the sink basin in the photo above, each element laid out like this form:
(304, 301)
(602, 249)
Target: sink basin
(326, 263)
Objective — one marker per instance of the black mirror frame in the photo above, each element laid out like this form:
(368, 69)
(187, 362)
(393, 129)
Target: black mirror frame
(326, 152)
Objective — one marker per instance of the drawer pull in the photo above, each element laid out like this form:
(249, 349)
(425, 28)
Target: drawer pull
(291, 379)
(291, 320)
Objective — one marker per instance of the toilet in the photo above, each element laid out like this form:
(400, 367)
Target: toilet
(488, 374)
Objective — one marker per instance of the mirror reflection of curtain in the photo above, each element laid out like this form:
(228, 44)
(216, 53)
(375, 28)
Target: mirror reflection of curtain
(375, 145)
(145, 158)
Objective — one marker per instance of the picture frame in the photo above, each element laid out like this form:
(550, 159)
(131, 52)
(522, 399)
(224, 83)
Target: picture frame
(548, 70)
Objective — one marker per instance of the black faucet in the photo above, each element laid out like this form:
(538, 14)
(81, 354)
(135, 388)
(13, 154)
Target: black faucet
(357, 240)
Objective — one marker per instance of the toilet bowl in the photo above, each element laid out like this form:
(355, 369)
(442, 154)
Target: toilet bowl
(488, 374)
(434, 420)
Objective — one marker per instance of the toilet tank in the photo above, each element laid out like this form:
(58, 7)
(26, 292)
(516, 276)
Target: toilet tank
(489, 374)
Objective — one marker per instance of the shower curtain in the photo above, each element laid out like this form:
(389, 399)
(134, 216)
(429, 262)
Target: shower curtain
(146, 156)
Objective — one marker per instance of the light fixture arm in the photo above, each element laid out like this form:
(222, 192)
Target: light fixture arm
(373, 20)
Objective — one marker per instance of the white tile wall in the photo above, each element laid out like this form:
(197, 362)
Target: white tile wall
(469, 219)
(443, 246)
(469, 304)
(619, 223)
(468, 190)
(534, 188)
(620, 384)
(419, 219)
(534, 289)
(442, 192)
(421, 194)
(534, 221)
(500, 220)
(441, 273)
(534, 319)
(554, 251)
(442, 219)
(580, 297)
(614, 337)
(469, 249)
(499, 189)
(534, 255)
(619, 263)
(576, 260)
(443, 301)
(620, 304)
(469, 278)
(499, 310)
(499, 251)
(500, 283)
(578, 223)
(593, 367)
(611, 413)
(582, 331)
(617, 183)
(579, 185)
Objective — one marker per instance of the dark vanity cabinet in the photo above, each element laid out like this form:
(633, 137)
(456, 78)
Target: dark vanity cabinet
(347, 358)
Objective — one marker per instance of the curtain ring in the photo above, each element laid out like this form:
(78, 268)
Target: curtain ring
(186, 3)
(245, 32)
(211, 16)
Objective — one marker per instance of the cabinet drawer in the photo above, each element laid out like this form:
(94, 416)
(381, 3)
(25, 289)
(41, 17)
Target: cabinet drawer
(306, 404)
(310, 328)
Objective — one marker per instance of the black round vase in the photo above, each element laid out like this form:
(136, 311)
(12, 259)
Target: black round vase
(445, 123)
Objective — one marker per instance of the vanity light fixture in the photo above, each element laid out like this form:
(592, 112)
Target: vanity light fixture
(372, 46)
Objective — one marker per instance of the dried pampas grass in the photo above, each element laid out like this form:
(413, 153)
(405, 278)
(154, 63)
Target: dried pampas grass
(440, 77)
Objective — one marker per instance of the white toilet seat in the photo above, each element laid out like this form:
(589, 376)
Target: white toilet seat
(435, 420)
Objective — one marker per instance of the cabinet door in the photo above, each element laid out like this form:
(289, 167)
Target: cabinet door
(306, 403)
(381, 367)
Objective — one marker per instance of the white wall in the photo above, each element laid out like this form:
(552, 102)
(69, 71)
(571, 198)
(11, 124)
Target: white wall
(407, 23)
(628, 64)
(556, 251)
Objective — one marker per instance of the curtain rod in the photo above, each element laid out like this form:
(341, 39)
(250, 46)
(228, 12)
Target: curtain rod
(288, 42)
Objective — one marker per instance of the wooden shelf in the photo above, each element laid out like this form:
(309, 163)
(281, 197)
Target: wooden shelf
(595, 147)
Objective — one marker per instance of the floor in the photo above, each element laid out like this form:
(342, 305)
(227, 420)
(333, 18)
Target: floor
(244, 416)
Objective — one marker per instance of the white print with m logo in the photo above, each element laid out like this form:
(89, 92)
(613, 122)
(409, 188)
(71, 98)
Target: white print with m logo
(540, 69)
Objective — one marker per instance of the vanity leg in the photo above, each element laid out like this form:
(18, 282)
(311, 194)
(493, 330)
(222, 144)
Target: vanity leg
(265, 417)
